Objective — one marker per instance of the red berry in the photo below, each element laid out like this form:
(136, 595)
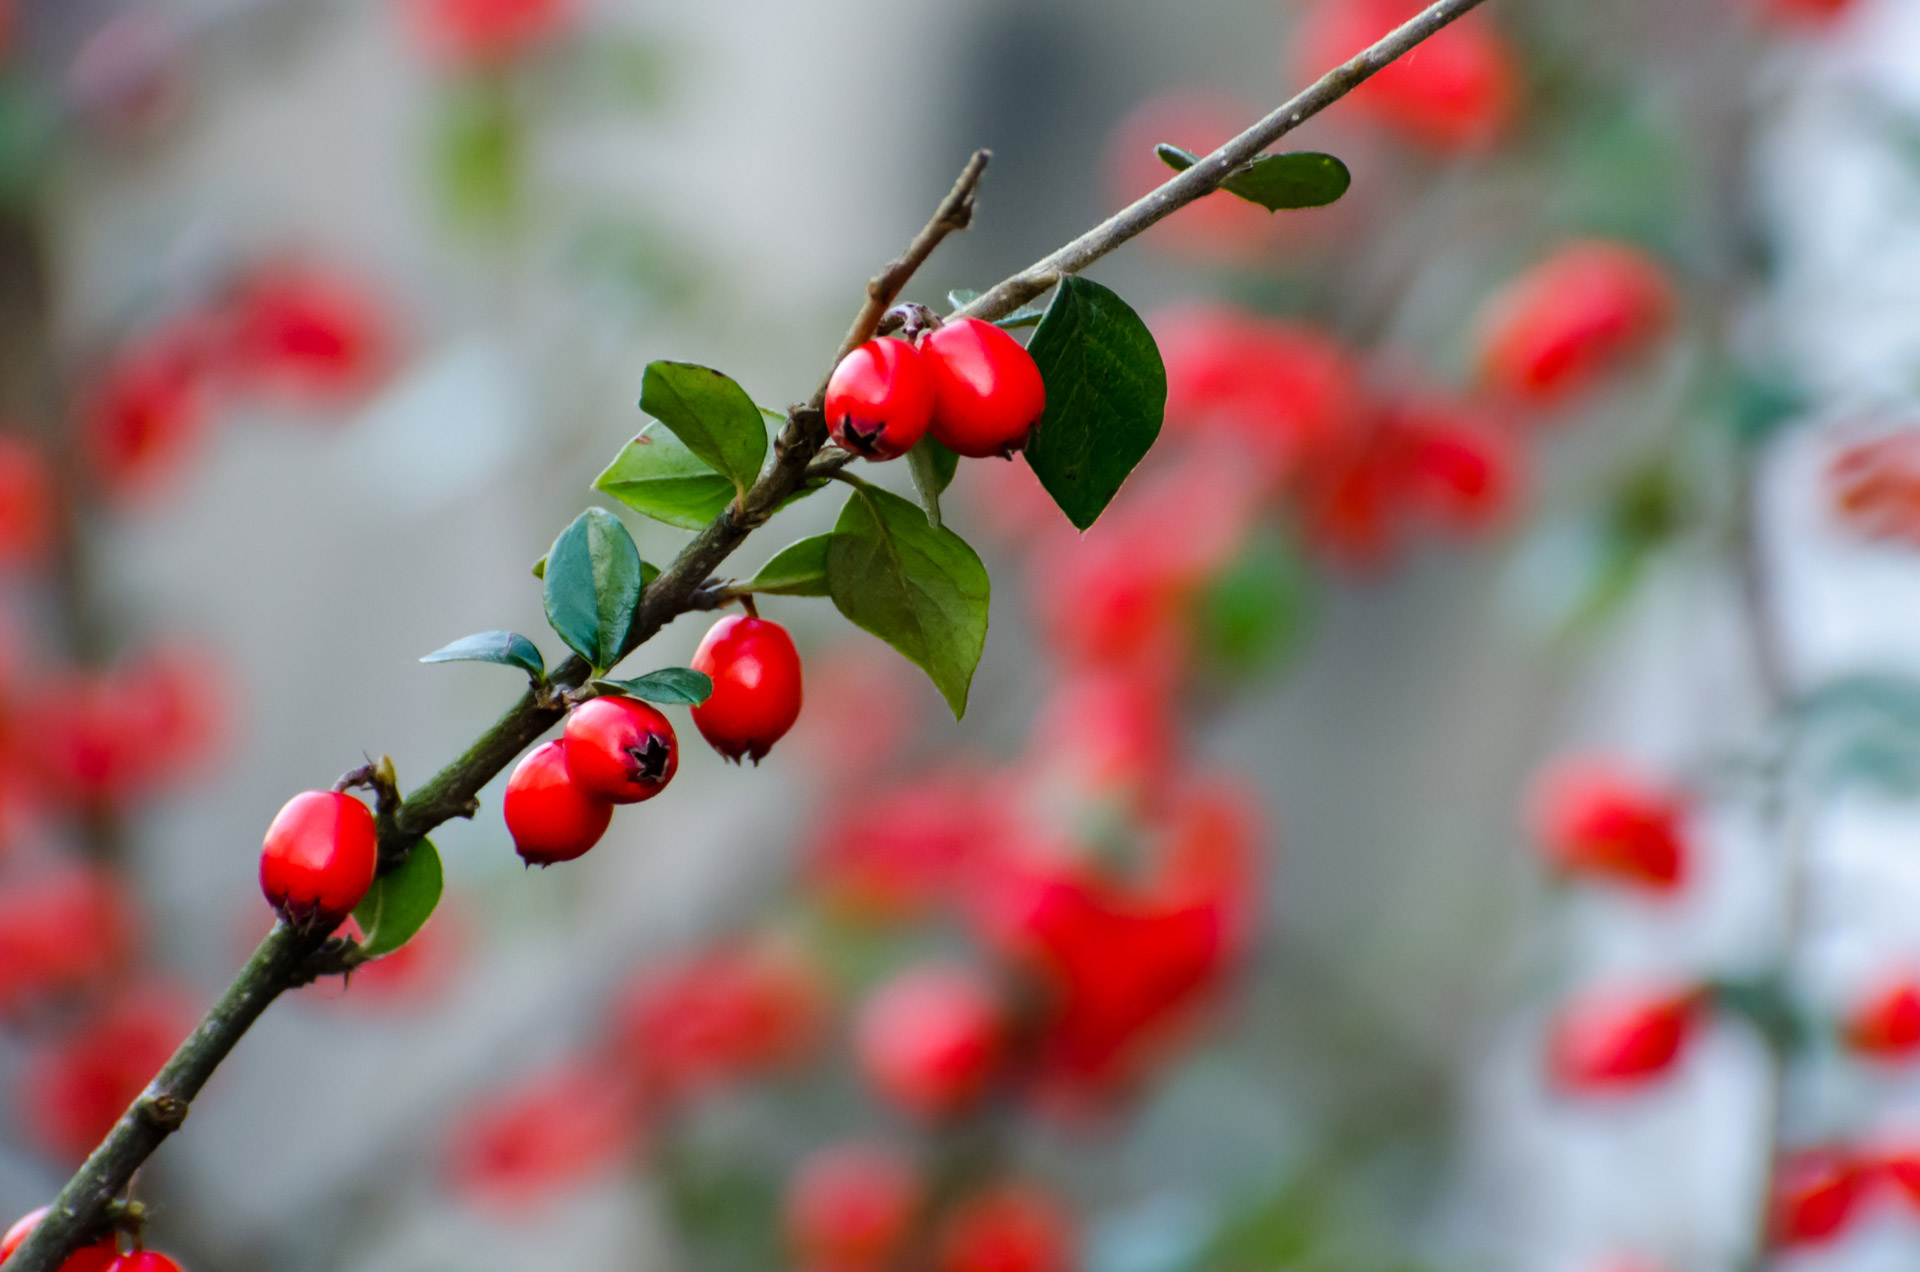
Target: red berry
(987, 392)
(1616, 1041)
(1457, 93)
(487, 32)
(93, 1258)
(931, 1038)
(143, 1261)
(880, 399)
(1873, 485)
(1815, 1194)
(62, 931)
(1807, 10)
(1011, 1228)
(756, 686)
(75, 1088)
(620, 749)
(26, 501)
(544, 1134)
(1571, 319)
(849, 1208)
(550, 815)
(140, 418)
(319, 858)
(1593, 816)
(306, 334)
(1886, 1024)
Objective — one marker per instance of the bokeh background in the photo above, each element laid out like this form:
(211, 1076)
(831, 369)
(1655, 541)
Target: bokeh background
(322, 316)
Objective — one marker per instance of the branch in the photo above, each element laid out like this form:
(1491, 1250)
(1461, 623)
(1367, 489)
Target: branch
(81, 1210)
(1206, 176)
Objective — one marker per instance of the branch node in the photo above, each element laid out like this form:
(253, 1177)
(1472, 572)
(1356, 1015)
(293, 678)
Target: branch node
(164, 1111)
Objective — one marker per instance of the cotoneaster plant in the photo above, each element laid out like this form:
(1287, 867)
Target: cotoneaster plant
(1081, 403)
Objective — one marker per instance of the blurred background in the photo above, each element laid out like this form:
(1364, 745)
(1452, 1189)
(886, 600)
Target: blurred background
(1454, 811)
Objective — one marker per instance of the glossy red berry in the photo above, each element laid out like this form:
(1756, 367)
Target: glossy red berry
(987, 392)
(1815, 1195)
(1011, 1228)
(880, 399)
(1886, 1024)
(93, 1258)
(550, 815)
(620, 749)
(1617, 1041)
(143, 1261)
(319, 858)
(756, 686)
(931, 1038)
(849, 1208)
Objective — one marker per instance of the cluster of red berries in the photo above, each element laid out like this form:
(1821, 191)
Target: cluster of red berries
(616, 750)
(970, 384)
(101, 1256)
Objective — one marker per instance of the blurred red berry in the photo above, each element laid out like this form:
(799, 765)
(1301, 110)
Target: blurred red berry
(899, 849)
(730, 1012)
(543, 1134)
(1873, 486)
(63, 930)
(145, 411)
(1457, 92)
(1886, 1023)
(1594, 816)
(1901, 1166)
(865, 704)
(118, 735)
(620, 749)
(1815, 11)
(306, 334)
(931, 1038)
(1815, 1194)
(1219, 226)
(1618, 1040)
(480, 33)
(849, 1208)
(26, 502)
(143, 1261)
(319, 858)
(1580, 314)
(93, 1258)
(756, 686)
(987, 392)
(1009, 1228)
(550, 815)
(74, 1088)
(880, 399)
(1106, 732)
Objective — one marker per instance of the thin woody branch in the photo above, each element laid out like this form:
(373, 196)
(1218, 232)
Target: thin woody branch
(84, 1206)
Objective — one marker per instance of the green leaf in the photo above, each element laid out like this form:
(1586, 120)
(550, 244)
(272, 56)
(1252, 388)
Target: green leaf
(540, 568)
(1298, 179)
(656, 475)
(1254, 612)
(932, 467)
(1106, 395)
(711, 414)
(799, 569)
(678, 686)
(507, 648)
(400, 902)
(594, 577)
(480, 153)
(920, 589)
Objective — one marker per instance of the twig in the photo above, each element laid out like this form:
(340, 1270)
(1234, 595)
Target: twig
(453, 792)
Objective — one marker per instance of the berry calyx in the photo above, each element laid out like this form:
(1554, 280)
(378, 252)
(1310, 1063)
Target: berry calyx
(987, 392)
(880, 399)
(620, 749)
(319, 858)
(93, 1258)
(550, 815)
(931, 1039)
(756, 686)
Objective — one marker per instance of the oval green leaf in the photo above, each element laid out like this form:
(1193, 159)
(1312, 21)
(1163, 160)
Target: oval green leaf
(400, 902)
(678, 686)
(1297, 179)
(507, 648)
(799, 569)
(1106, 396)
(711, 414)
(594, 577)
(656, 475)
(919, 588)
